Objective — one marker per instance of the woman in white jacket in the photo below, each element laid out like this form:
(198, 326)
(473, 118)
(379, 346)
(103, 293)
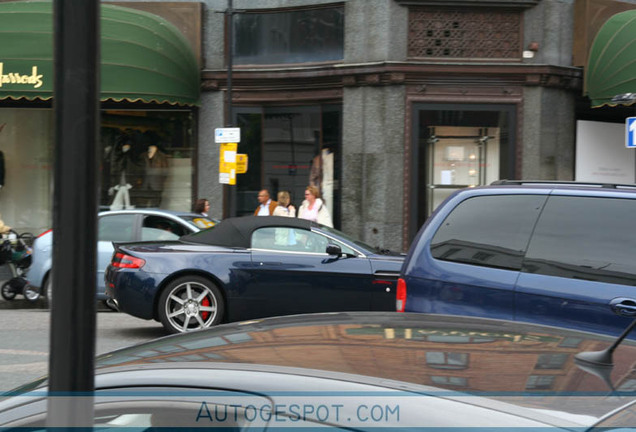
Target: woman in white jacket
(314, 209)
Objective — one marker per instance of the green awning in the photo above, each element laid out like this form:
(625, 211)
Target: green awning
(610, 76)
(144, 58)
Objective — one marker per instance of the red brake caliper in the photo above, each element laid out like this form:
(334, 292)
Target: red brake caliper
(205, 302)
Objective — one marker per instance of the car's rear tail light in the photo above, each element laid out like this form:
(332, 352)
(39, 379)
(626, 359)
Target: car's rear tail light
(126, 261)
(400, 295)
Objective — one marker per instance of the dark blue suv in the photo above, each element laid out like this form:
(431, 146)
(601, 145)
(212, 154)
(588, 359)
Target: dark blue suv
(551, 253)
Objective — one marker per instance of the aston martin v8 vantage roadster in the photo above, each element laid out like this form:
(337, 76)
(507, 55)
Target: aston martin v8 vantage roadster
(250, 267)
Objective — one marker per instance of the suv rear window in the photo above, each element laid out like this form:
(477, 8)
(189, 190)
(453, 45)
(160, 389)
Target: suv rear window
(585, 238)
(491, 231)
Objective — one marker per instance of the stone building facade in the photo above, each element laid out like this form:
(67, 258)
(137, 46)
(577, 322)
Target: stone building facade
(408, 68)
(387, 105)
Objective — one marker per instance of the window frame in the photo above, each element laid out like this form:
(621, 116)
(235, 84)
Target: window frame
(258, 60)
(449, 357)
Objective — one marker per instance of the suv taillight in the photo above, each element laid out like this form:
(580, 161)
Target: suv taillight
(121, 260)
(400, 295)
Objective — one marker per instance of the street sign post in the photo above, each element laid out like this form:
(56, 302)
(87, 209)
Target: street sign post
(227, 135)
(230, 163)
(630, 132)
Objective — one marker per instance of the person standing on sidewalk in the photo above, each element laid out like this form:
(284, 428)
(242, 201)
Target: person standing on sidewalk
(284, 207)
(267, 206)
(314, 209)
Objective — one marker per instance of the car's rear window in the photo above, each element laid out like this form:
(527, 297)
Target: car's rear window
(491, 231)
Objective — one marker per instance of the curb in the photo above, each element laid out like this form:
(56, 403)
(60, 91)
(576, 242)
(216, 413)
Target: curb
(21, 303)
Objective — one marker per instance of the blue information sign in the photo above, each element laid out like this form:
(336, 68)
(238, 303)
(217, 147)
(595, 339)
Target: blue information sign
(630, 132)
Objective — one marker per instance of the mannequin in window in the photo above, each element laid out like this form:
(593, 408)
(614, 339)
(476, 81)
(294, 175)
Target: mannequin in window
(326, 177)
(156, 171)
(315, 172)
(125, 173)
(321, 174)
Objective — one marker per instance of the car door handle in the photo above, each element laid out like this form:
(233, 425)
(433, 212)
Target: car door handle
(624, 306)
(386, 275)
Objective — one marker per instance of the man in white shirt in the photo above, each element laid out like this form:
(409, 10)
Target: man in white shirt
(267, 206)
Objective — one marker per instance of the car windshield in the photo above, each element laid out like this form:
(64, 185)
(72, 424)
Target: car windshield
(200, 222)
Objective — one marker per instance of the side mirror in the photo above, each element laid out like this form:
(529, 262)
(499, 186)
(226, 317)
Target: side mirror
(333, 249)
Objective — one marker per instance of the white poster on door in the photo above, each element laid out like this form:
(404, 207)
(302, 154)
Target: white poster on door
(601, 155)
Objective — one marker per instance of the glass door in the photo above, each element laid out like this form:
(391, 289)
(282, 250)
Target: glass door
(456, 146)
(460, 157)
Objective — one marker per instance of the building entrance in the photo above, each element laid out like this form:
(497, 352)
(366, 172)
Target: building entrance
(457, 146)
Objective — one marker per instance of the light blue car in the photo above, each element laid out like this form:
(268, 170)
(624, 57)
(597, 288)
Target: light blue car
(115, 226)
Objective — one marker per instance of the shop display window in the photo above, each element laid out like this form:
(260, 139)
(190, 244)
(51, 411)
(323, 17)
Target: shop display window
(290, 148)
(145, 160)
(26, 176)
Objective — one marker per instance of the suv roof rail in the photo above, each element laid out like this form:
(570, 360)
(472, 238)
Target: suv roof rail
(563, 183)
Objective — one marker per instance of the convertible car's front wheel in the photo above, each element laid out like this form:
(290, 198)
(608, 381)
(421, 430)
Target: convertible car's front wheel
(190, 303)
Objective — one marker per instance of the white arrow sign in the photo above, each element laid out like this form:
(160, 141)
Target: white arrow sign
(630, 132)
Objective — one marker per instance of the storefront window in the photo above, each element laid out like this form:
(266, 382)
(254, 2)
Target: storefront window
(309, 35)
(146, 161)
(290, 148)
(27, 193)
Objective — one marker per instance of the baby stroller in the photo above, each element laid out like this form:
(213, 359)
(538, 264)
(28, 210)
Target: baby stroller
(15, 259)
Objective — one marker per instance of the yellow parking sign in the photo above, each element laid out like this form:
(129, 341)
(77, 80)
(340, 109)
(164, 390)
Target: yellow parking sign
(241, 163)
(227, 163)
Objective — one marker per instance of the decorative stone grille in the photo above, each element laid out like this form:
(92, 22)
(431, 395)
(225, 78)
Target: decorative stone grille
(464, 33)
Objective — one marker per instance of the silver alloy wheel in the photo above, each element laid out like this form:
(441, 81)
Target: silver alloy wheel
(190, 303)
(30, 293)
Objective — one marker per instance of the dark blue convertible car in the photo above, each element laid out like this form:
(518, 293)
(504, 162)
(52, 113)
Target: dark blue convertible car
(250, 267)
